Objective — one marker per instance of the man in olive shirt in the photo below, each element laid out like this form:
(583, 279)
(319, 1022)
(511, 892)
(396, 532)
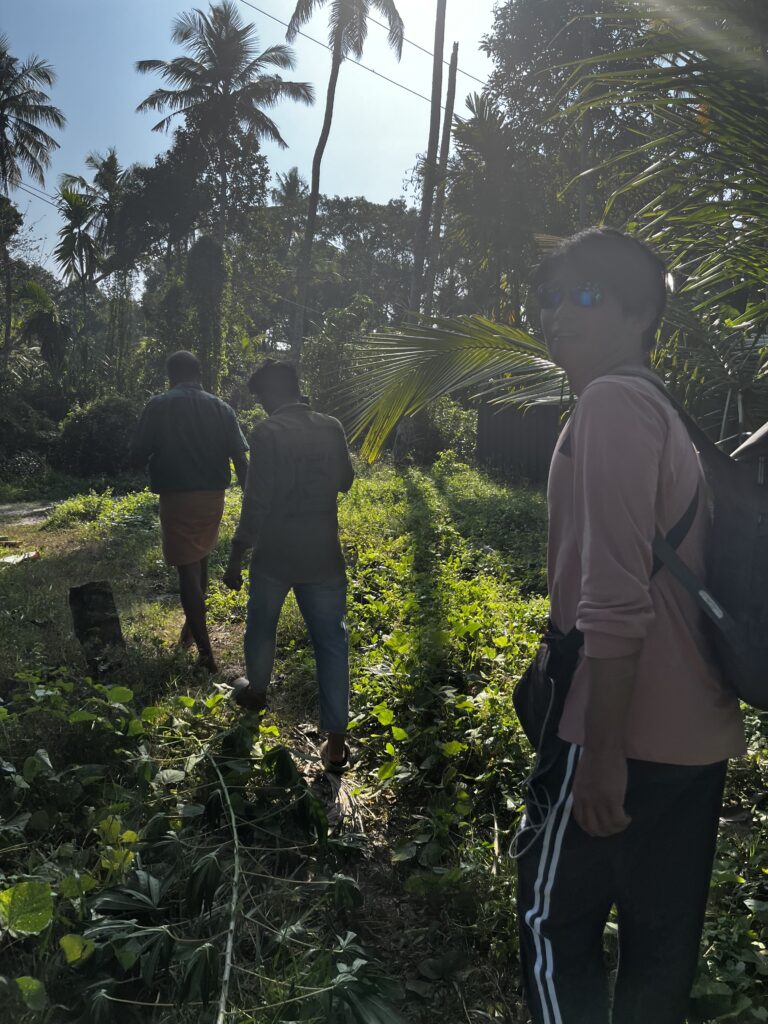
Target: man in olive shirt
(299, 465)
(187, 437)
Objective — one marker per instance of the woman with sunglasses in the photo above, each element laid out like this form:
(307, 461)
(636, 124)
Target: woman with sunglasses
(624, 806)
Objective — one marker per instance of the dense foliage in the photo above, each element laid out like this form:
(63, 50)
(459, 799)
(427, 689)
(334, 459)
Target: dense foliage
(123, 870)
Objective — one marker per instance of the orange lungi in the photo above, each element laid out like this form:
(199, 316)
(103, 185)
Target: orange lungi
(189, 522)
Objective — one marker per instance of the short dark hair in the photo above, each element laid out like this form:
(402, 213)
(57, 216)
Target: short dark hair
(183, 365)
(276, 377)
(633, 271)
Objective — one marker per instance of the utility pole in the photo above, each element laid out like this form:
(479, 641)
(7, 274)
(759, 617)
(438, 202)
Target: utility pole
(442, 176)
(430, 164)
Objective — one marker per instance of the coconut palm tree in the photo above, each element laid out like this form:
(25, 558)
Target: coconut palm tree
(25, 146)
(348, 23)
(221, 85)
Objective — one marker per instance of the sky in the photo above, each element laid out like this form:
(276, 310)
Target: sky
(378, 128)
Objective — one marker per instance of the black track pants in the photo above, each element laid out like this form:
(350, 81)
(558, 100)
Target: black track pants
(656, 873)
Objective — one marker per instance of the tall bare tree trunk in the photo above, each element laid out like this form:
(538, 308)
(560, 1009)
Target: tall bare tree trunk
(223, 197)
(8, 289)
(442, 175)
(587, 26)
(305, 253)
(430, 164)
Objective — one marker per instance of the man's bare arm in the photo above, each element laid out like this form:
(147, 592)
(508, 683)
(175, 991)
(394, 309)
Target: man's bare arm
(240, 462)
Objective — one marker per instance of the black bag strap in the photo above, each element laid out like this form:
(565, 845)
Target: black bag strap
(706, 602)
(704, 444)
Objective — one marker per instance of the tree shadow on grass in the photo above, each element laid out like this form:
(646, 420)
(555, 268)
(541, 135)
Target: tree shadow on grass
(510, 520)
(427, 615)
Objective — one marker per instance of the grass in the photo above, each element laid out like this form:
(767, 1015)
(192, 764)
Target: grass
(404, 910)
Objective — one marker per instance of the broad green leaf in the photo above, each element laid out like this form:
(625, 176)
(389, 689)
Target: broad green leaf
(82, 716)
(153, 714)
(109, 828)
(119, 694)
(32, 992)
(403, 852)
(387, 770)
(453, 747)
(74, 887)
(169, 776)
(26, 908)
(384, 714)
(76, 949)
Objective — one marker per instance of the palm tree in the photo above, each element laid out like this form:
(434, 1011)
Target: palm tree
(25, 146)
(106, 188)
(700, 195)
(222, 85)
(77, 252)
(42, 322)
(348, 20)
(702, 91)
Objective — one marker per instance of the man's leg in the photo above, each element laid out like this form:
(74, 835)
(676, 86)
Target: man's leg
(265, 602)
(323, 606)
(186, 639)
(193, 602)
(663, 890)
(564, 896)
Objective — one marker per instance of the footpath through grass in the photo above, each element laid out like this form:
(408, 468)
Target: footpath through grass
(163, 858)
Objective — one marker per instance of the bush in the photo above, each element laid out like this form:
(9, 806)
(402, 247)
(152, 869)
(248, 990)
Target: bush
(95, 439)
(248, 418)
(24, 432)
(443, 426)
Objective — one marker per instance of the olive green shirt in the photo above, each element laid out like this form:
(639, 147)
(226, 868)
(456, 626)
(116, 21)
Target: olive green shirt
(299, 464)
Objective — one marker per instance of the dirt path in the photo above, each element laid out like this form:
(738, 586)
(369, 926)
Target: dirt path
(24, 513)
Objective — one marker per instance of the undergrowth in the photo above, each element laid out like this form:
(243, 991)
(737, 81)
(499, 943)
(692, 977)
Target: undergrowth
(142, 817)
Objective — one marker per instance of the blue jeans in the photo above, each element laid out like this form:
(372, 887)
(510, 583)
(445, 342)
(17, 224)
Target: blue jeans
(322, 606)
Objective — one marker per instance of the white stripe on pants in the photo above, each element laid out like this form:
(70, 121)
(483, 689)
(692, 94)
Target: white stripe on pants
(556, 826)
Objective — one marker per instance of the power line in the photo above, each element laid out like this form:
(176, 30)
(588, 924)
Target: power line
(35, 195)
(423, 49)
(36, 188)
(359, 63)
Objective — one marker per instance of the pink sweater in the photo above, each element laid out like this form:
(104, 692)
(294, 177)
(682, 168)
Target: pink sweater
(623, 466)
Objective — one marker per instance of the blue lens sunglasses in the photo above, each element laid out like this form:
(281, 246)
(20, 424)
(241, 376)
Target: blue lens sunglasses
(586, 295)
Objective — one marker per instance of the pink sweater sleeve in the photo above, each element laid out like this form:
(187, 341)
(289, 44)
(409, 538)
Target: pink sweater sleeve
(618, 439)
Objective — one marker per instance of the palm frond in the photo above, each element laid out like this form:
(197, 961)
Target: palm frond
(402, 370)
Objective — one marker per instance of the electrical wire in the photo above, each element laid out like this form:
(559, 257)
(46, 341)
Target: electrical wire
(35, 195)
(353, 60)
(429, 53)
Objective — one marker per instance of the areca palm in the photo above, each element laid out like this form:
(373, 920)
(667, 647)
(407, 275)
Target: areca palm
(106, 188)
(222, 84)
(348, 30)
(77, 253)
(25, 145)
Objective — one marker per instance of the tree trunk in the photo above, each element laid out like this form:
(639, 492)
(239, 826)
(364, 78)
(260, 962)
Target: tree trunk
(430, 163)
(223, 197)
(442, 174)
(305, 253)
(8, 289)
(586, 122)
